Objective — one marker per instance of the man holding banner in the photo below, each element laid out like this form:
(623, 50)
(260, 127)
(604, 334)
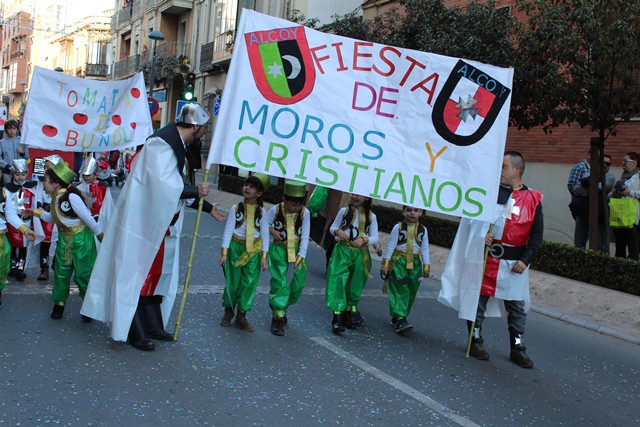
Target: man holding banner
(511, 241)
(134, 280)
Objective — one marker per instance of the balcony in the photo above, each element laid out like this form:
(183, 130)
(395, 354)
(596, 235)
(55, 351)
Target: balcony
(215, 54)
(96, 70)
(16, 54)
(174, 7)
(136, 9)
(126, 67)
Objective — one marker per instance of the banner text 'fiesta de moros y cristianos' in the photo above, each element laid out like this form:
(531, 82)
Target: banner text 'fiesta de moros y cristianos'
(409, 127)
(70, 113)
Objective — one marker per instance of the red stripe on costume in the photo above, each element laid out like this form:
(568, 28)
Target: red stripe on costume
(153, 277)
(490, 276)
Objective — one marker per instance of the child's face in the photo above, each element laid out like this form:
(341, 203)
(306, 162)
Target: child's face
(19, 177)
(358, 200)
(250, 191)
(292, 206)
(411, 214)
(11, 131)
(90, 179)
(49, 187)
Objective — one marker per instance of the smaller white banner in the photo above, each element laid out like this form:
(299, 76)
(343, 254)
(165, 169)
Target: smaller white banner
(74, 114)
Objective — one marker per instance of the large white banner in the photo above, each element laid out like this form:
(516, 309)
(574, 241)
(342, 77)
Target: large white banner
(74, 114)
(405, 126)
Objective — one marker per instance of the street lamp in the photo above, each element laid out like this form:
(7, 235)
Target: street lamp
(154, 35)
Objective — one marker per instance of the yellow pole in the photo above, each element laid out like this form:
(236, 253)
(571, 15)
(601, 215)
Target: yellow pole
(473, 324)
(187, 280)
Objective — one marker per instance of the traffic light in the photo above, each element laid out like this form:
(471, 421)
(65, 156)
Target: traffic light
(189, 86)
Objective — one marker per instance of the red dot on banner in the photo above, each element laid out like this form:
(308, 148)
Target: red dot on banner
(133, 125)
(80, 118)
(117, 120)
(49, 130)
(135, 92)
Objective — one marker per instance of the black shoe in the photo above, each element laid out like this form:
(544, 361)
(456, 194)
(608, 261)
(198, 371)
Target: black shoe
(57, 311)
(477, 349)
(520, 357)
(277, 326)
(86, 319)
(144, 344)
(161, 335)
(402, 326)
(20, 275)
(356, 318)
(12, 272)
(347, 320)
(336, 324)
(154, 325)
(137, 335)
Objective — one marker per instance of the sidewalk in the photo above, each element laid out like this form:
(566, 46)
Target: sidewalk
(593, 307)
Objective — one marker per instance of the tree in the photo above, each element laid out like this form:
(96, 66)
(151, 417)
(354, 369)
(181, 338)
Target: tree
(479, 31)
(578, 62)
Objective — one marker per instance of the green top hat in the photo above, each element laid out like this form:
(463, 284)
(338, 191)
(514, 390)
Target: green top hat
(63, 172)
(295, 188)
(261, 179)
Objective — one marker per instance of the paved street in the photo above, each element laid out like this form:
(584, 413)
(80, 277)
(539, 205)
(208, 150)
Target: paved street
(71, 373)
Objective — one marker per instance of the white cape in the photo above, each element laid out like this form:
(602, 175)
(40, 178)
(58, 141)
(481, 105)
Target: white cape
(145, 207)
(463, 273)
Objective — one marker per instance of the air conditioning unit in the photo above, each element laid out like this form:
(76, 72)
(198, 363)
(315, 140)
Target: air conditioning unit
(22, 46)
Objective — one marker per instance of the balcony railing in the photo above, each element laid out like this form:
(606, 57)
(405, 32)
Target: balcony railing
(17, 54)
(126, 67)
(137, 8)
(206, 57)
(215, 53)
(96, 70)
(220, 43)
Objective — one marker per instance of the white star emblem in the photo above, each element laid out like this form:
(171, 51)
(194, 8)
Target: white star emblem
(275, 70)
(511, 208)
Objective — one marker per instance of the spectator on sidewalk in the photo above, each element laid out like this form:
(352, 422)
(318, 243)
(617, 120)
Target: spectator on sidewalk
(610, 180)
(579, 205)
(627, 238)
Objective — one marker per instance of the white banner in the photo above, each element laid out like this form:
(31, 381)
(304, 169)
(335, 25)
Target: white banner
(74, 114)
(3, 117)
(409, 127)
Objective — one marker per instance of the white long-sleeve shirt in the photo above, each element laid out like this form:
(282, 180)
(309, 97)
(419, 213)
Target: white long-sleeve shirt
(80, 209)
(304, 232)
(373, 227)
(423, 249)
(241, 232)
(11, 216)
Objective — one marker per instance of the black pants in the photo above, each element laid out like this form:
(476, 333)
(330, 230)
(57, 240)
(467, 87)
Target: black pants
(627, 238)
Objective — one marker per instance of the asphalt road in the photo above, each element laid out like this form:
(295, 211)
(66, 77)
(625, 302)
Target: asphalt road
(71, 373)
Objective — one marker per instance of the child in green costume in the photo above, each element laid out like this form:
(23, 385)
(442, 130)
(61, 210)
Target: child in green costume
(245, 247)
(402, 268)
(289, 225)
(355, 228)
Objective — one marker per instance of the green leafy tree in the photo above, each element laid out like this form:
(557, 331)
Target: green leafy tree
(479, 31)
(578, 62)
